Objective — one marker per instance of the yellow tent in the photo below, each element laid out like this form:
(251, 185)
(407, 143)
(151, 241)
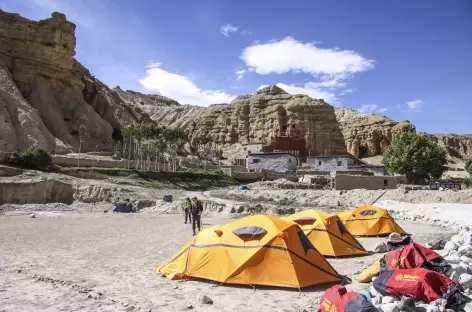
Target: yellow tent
(256, 250)
(368, 220)
(327, 233)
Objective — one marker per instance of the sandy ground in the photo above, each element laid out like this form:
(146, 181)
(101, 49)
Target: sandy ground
(104, 262)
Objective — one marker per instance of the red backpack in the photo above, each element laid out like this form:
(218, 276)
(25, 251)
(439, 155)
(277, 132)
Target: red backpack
(338, 299)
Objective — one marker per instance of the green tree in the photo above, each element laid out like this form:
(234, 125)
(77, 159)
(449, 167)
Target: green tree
(468, 166)
(417, 156)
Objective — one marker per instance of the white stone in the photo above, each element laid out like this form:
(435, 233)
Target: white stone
(453, 259)
(381, 247)
(467, 237)
(465, 280)
(389, 307)
(468, 307)
(376, 301)
(449, 246)
(455, 253)
(466, 259)
(388, 299)
(433, 308)
(457, 239)
(463, 249)
(374, 292)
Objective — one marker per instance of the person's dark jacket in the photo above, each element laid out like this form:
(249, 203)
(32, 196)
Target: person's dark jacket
(197, 208)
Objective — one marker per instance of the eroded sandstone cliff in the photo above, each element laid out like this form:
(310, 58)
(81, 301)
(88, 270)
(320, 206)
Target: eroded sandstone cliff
(45, 94)
(368, 134)
(248, 118)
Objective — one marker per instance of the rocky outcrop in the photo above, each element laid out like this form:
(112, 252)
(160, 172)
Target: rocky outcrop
(368, 134)
(457, 146)
(46, 95)
(248, 118)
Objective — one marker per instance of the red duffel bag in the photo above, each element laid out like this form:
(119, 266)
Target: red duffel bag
(338, 299)
(418, 283)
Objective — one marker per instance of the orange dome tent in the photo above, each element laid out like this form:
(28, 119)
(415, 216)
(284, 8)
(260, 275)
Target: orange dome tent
(256, 250)
(327, 233)
(368, 220)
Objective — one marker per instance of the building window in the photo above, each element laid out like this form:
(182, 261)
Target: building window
(289, 160)
(340, 163)
(319, 162)
(255, 161)
(385, 182)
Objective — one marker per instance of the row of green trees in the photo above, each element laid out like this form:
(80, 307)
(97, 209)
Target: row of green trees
(151, 145)
(158, 148)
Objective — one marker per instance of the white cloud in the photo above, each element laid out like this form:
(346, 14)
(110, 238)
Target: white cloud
(372, 108)
(180, 88)
(309, 90)
(289, 55)
(415, 105)
(240, 74)
(228, 29)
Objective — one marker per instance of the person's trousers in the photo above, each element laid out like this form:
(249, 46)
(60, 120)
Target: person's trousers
(196, 219)
(188, 215)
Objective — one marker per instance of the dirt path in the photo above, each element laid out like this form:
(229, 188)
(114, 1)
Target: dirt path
(103, 262)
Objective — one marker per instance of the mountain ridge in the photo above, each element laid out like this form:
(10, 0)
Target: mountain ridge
(46, 94)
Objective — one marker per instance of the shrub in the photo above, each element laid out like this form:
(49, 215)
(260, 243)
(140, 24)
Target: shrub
(32, 158)
(468, 182)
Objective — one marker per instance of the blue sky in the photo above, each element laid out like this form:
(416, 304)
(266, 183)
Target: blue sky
(409, 60)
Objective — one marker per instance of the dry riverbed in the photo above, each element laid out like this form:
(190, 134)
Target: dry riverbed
(104, 262)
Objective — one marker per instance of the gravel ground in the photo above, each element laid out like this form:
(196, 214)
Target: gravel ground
(104, 262)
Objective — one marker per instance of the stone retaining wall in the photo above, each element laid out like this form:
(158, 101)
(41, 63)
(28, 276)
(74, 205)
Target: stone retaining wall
(40, 192)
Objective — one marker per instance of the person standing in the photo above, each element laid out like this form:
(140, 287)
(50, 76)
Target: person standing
(187, 210)
(197, 210)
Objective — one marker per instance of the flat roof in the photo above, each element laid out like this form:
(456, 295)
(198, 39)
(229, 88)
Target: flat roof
(272, 153)
(331, 156)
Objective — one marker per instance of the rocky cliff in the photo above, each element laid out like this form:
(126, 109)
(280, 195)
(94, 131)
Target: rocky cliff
(248, 118)
(371, 134)
(368, 134)
(45, 94)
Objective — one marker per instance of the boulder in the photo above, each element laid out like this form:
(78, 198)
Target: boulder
(449, 246)
(464, 249)
(205, 299)
(457, 239)
(433, 308)
(453, 259)
(466, 259)
(465, 280)
(390, 307)
(381, 247)
(388, 299)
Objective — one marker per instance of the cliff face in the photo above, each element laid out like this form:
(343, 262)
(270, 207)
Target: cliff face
(368, 134)
(371, 134)
(457, 146)
(45, 94)
(248, 118)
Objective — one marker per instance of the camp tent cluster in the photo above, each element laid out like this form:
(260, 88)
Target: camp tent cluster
(283, 252)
